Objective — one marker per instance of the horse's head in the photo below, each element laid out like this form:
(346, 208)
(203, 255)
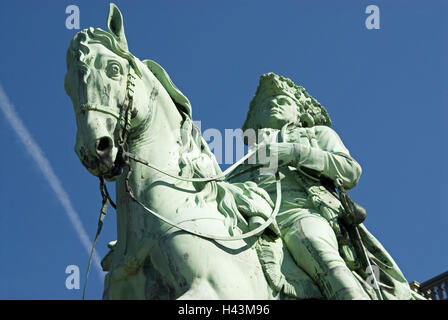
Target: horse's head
(101, 76)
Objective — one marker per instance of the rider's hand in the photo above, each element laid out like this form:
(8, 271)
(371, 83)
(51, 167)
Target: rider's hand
(276, 155)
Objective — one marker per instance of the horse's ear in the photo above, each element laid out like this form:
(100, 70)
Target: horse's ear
(115, 25)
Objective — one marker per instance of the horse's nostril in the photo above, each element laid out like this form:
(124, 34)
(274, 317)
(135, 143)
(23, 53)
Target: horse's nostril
(103, 144)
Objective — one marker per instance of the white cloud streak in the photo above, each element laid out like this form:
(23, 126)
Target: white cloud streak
(43, 164)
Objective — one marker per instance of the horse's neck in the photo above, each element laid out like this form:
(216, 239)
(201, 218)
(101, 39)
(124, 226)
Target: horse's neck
(159, 143)
(158, 140)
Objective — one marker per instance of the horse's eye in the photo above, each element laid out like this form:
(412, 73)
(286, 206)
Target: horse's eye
(113, 70)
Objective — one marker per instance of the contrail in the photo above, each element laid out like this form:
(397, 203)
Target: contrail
(44, 165)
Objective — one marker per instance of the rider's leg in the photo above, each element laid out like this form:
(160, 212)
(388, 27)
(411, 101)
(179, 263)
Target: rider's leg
(313, 245)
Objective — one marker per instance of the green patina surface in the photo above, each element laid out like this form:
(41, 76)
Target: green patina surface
(306, 252)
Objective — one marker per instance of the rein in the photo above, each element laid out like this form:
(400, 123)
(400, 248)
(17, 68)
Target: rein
(207, 179)
(106, 200)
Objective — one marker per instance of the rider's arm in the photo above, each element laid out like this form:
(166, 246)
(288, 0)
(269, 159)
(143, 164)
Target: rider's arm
(329, 157)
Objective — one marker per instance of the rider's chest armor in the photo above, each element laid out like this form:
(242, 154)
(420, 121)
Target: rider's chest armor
(326, 203)
(303, 190)
(303, 136)
(297, 189)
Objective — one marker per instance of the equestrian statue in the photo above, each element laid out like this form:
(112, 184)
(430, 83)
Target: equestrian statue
(262, 229)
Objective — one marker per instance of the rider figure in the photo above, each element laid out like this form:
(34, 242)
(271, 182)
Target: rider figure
(311, 158)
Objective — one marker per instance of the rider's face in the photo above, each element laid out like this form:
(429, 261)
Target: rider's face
(275, 112)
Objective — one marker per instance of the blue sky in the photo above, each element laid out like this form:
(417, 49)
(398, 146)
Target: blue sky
(386, 91)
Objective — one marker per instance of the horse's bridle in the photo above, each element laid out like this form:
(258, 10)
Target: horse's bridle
(88, 107)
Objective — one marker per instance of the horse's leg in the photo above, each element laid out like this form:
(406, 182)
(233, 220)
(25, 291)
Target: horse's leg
(200, 290)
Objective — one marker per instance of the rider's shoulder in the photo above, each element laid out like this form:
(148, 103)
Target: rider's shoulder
(315, 130)
(324, 131)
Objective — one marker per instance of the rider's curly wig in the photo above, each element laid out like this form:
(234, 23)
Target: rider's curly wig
(311, 112)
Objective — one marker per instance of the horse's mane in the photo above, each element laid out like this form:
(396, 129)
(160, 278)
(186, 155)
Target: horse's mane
(196, 159)
(79, 49)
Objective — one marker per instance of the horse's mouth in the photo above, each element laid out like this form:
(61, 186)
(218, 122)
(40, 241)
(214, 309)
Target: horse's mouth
(114, 173)
(107, 169)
